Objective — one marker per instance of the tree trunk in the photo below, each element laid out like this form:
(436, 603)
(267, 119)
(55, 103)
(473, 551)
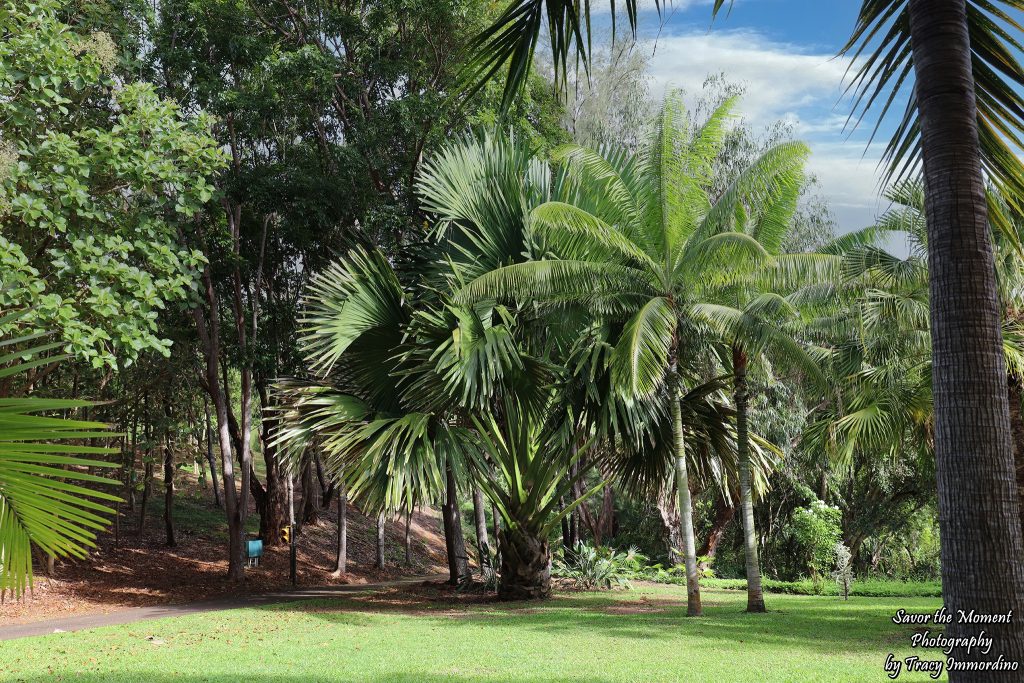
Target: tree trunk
(979, 515)
(455, 544)
(480, 517)
(668, 510)
(1016, 394)
(755, 596)
(327, 488)
(379, 564)
(210, 338)
(525, 566)
(209, 455)
(408, 538)
(342, 546)
(147, 468)
(574, 516)
(168, 476)
(566, 539)
(496, 522)
(273, 515)
(310, 504)
(147, 485)
(130, 474)
(606, 516)
(693, 605)
(724, 512)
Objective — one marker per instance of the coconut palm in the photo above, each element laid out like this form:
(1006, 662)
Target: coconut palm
(42, 501)
(638, 238)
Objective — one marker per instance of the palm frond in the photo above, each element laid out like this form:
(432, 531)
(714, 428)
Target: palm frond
(42, 499)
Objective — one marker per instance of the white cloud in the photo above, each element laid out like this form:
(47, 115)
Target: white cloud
(783, 82)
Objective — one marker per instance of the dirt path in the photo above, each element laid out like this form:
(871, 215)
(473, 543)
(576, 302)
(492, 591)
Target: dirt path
(134, 614)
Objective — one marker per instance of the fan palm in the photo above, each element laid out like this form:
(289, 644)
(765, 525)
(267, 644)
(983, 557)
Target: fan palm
(878, 331)
(640, 239)
(399, 371)
(42, 501)
(525, 468)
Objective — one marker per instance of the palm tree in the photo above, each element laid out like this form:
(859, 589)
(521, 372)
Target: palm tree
(887, 295)
(641, 240)
(39, 504)
(753, 329)
(965, 118)
(526, 470)
(405, 384)
(353, 404)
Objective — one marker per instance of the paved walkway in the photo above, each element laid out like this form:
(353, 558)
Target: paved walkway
(132, 614)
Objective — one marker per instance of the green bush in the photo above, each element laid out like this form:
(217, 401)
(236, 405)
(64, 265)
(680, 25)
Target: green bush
(602, 568)
(817, 529)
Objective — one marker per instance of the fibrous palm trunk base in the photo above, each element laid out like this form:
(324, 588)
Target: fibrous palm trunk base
(525, 567)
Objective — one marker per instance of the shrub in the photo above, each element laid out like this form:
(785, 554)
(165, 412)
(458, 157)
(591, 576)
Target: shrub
(600, 568)
(817, 529)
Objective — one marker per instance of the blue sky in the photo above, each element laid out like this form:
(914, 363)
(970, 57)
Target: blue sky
(784, 52)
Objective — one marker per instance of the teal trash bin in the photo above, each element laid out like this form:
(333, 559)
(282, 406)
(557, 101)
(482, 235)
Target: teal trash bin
(253, 552)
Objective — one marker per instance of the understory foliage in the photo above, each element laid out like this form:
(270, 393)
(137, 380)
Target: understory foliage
(602, 568)
(97, 179)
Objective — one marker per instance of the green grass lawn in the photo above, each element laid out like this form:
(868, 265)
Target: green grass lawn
(638, 635)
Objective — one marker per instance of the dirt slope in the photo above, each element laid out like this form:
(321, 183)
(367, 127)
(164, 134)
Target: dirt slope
(129, 569)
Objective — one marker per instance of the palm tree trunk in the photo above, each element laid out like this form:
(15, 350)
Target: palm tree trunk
(525, 566)
(693, 606)
(755, 597)
(979, 516)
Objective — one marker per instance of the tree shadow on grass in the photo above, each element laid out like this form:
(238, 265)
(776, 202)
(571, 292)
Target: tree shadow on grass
(816, 626)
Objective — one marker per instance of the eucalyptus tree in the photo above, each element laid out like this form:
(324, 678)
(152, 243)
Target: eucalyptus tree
(639, 238)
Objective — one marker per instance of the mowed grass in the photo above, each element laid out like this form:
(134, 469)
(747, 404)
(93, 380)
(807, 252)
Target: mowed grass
(637, 635)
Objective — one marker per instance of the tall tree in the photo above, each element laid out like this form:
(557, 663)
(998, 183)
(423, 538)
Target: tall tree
(973, 448)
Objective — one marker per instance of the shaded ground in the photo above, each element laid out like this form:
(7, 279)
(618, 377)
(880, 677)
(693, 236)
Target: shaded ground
(429, 633)
(132, 570)
(131, 615)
